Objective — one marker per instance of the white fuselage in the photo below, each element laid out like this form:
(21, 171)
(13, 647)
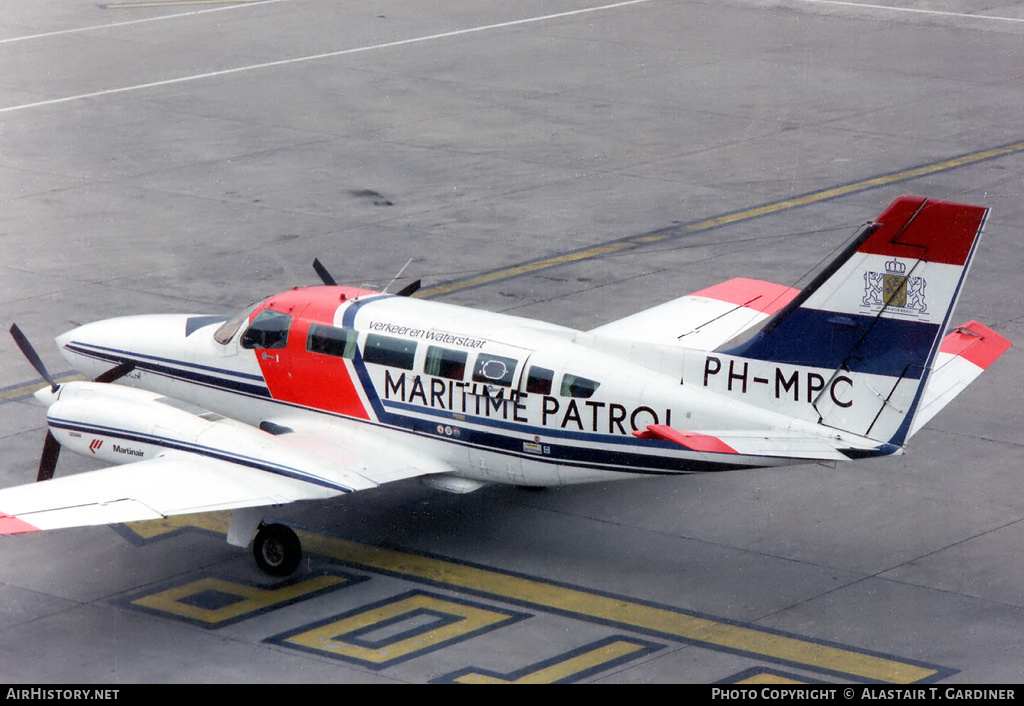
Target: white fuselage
(498, 398)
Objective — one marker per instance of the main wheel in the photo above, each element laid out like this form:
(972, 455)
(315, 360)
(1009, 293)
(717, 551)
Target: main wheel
(277, 550)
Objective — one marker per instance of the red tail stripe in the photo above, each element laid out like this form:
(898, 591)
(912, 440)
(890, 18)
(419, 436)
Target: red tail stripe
(942, 231)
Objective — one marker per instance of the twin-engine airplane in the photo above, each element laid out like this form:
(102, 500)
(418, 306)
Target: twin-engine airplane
(326, 390)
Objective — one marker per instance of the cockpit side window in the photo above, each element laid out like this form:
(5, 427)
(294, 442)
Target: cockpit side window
(268, 330)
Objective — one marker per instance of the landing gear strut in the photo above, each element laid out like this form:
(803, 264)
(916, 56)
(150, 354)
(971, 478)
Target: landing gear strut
(277, 550)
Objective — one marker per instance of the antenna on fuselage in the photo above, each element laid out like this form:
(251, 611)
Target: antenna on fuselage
(407, 289)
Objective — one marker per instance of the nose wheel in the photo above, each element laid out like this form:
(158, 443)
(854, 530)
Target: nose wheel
(277, 550)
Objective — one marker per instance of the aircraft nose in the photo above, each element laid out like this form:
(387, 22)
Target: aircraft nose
(95, 348)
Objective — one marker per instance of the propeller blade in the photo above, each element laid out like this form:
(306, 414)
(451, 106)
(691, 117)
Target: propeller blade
(325, 276)
(409, 289)
(48, 461)
(29, 352)
(116, 373)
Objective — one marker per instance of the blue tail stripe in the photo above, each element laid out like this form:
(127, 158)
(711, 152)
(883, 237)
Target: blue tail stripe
(832, 340)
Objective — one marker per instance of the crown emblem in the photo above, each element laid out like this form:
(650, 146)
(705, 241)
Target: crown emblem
(895, 267)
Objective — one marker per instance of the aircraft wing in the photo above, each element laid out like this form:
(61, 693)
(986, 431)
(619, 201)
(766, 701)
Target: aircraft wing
(175, 484)
(357, 448)
(174, 459)
(705, 319)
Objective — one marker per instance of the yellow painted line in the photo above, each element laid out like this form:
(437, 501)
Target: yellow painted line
(563, 670)
(769, 678)
(618, 610)
(30, 388)
(217, 522)
(173, 601)
(708, 224)
(330, 637)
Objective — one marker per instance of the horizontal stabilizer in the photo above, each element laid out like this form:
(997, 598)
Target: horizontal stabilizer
(966, 353)
(771, 443)
(706, 319)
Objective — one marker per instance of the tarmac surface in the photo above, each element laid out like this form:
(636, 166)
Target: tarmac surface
(175, 157)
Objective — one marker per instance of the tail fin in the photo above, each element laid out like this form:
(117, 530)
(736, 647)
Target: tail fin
(870, 326)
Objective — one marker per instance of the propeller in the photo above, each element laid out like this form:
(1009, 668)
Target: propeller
(409, 289)
(51, 447)
(29, 352)
(325, 276)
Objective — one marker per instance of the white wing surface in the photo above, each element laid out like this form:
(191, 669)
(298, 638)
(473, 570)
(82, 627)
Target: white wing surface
(174, 460)
(175, 484)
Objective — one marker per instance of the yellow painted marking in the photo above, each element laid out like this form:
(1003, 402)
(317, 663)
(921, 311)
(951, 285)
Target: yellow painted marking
(211, 521)
(253, 598)
(330, 637)
(562, 670)
(768, 678)
(30, 388)
(747, 214)
(618, 610)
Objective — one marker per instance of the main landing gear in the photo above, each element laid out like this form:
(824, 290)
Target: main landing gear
(277, 550)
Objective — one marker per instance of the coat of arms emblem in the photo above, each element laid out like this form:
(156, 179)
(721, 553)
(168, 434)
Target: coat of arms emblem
(894, 289)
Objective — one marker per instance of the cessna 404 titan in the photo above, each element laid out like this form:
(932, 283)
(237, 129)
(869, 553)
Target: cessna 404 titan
(326, 390)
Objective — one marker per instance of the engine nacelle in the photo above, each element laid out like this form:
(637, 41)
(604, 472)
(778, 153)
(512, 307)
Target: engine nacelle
(120, 425)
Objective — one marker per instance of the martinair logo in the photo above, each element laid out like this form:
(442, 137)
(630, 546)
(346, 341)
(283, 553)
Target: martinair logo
(95, 445)
(893, 287)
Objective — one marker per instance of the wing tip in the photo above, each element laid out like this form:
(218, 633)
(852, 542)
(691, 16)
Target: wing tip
(9, 524)
(755, 294)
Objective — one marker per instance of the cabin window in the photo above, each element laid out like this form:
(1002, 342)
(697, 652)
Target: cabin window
(328, 340)
(392, 352)
(494, 369)
(445, 363)
(268, 330)
(539, 380)
(576, 386)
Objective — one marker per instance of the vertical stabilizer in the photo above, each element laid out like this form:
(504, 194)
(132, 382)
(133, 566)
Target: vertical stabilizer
(869, 327)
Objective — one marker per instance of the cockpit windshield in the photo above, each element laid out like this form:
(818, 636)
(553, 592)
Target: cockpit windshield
(230, 327)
